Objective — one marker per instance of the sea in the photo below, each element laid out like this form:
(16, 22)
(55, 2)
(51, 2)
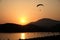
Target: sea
(25, 35)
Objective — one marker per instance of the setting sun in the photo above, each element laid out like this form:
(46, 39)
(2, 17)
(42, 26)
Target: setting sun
(23, 21)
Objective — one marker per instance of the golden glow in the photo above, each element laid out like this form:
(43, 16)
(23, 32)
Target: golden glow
(22, 35)
(23, 21)
(12, 10)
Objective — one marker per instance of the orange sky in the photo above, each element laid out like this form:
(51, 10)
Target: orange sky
(11, 11)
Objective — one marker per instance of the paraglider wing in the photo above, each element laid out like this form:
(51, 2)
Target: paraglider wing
(40, 5)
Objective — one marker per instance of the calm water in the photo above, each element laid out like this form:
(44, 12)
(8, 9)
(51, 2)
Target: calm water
(27, 35)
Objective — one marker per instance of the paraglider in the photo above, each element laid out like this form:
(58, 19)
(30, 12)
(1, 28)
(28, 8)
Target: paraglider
(39, 5)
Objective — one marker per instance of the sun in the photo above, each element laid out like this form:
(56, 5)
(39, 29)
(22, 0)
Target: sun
(23, 21)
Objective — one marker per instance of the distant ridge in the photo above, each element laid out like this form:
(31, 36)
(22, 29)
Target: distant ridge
(47, 19)
(46, 22)
(42, 25)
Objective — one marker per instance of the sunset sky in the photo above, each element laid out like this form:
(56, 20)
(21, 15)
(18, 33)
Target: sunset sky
(18, 11)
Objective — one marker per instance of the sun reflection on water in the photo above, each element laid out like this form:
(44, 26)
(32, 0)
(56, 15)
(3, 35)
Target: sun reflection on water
(23, 37)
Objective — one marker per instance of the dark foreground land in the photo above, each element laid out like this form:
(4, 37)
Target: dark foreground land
(42, 25)
(55, 37)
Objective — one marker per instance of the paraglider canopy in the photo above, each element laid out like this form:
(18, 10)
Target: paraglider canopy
(39, 5)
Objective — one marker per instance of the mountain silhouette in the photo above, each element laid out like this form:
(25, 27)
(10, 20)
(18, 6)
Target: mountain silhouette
(10, 27)
(42, 25)
(46, 22)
